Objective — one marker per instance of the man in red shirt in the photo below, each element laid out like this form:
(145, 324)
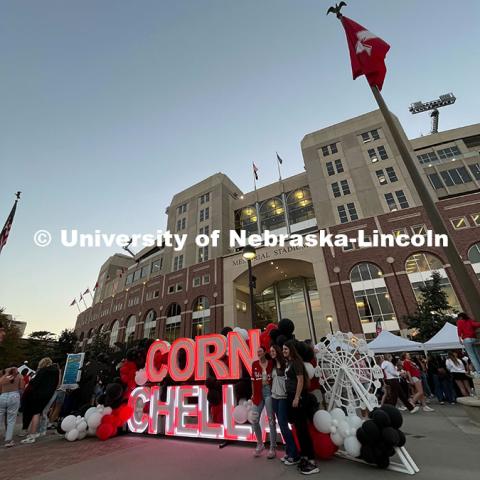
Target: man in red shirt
(414, 377)
(466, 328)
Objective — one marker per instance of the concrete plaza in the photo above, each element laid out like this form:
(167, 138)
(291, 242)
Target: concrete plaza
(445, 445)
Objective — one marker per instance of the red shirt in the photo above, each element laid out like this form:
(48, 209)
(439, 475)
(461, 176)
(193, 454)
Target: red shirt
(411, 368)
(466, 328)
(257, 380)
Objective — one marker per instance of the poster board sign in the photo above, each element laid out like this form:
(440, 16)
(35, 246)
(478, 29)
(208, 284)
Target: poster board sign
(72, 372)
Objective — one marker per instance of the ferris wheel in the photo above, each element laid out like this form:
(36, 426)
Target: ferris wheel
(348, 372)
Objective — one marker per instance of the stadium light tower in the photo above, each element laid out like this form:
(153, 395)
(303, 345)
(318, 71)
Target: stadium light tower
(433, 105)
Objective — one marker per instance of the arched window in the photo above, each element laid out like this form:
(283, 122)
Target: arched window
(300, 206)
(150, 324)
(130, 330)
(419, 268)
(201, 317)
(246, 219)
(371, 294)
(114, 333)
(474, 257)
(173, 322)
(272, 214)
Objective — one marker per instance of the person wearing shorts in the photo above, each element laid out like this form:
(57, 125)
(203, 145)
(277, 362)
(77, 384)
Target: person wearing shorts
(414, 376)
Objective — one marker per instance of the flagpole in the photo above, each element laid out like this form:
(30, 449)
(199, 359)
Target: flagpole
(454, 259)
(90, 295)
(84, 302)
(76, 303)
(279, 171)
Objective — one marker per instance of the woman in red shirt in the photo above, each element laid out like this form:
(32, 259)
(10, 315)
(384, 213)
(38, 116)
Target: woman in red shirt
(466, 328)
(414, 377)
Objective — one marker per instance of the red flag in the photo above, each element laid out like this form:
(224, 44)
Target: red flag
(367, 53)
(7, 227)
(73, 302)
(95, 287)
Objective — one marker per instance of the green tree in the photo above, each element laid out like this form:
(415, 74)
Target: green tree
(11, 349)
(433, 309)
(65, 344)
(100, 344)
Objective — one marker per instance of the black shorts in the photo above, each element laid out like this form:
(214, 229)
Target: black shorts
(459, 376)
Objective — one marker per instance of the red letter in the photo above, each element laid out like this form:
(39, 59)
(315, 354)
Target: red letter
(204, 356)
(159, 347)
(238, 348)
(177, 374)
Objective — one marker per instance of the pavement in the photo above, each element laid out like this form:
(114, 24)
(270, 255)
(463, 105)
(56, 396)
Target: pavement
(444, 444)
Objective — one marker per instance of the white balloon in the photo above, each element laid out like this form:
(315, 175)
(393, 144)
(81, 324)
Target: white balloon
(310, 369)
(240, 414)
(337, 439)
(344, 428)
(322, 420)
(355, 422)
(335, 422)
(68, 423)
(82, 426)
(72, 435)
(91, 432)
(333, 429)
(252, 416)
(243, 333)
(89, 412)
(352, 446)
(141, 377)
(338, 414)
(318, 395)
(107, 410)
(82, 435)
(94, 420)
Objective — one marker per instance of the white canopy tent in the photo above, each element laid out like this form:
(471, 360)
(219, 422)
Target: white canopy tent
(387, 342)
(445, 339)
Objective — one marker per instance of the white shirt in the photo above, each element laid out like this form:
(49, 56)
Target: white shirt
(390, 371)
(455, 367)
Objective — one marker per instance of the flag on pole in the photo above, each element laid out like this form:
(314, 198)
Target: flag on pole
(95, 287)
(367, 53)
(74, 301)
(86, 291)
(8, 224)
(81, 297)
(280, 161)
(255, 170)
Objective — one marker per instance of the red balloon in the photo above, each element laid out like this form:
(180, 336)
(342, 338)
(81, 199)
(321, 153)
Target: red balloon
(322, 443)
(265, 340)
(108, 419)
(105, 431)
(123, 413)
(270, 327)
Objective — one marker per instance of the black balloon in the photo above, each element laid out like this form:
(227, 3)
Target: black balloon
(390, 436)
(366, 453)
(395, 415)
(281, 339)
(383, 462)
(362, 436)
(381, 418)
(372, 432)
(225, 331)
(274, 334)
(402, 439)
(286, 326)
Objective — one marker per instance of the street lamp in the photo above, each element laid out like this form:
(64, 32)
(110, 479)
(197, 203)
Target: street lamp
(249, 254)
(330, 322)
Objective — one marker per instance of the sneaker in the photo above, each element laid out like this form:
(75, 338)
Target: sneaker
(29, 439)
(291, 461)
(442, 403)
(272, 453)
(9, 444)
(259, 449)
(415, 409)
(41, 434)
(426, 408)
(308, 468)
(402, 409)
(453, 403)
(23, 433)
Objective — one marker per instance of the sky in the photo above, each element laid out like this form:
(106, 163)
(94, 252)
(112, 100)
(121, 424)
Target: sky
(110, 107)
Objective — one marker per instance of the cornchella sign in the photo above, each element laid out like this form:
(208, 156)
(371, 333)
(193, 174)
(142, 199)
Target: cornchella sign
(186, 410)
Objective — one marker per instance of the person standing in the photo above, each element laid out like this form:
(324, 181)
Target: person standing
(296, 382)
(262, 397)
(466, 328)
(457, 368)
(414, 377)
(280, 405)
(11, 387)
(392, 380)
(441, 380)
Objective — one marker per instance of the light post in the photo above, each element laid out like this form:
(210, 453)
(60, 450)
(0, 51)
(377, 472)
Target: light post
(330, 322)
(249, 254)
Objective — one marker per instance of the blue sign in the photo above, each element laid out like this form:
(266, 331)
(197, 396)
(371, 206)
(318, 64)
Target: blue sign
(72, 372)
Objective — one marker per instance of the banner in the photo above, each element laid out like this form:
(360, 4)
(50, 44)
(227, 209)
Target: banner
(72, 372)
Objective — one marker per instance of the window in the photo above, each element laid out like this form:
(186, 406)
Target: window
(204, 230)
(456, 176)
(178, 263)
(171, 289)
(197, 281)
(325, 151)
(459, 223)
(345, 187)
(392, 176)
(157, 265)
(201, 317)
(475, 169)
(130, 330)
(300, 206)
(435, 181)
(382, 152)
(381, 177)
(206, 279)
(400, 201)
(330, 169)
(329, 149)
(144, 271)
(202, 254)
(475, 219)
(150, 324)
(339, 166)
(179, 287)
(474, 258)
(129, 279)
(419, 229)
(347, 213)
(333, 148)
(205, 198)
(336, 190)
(448, 152)
(114, 333)
(429, 157)
(173, 310)
(181, 224)
(369, 136)
(246, 219)
(204, 214)
(172, 324)
(391, 204)
(373, 155)
(182, 209)
(272, 214)
(339, 189)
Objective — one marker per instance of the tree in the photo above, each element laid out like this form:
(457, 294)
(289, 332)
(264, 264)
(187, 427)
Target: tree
(100, 344)
(42, 335)
(11, 351)
(65, 344)
(433, 309)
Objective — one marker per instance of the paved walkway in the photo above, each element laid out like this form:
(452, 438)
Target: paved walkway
(445, 445)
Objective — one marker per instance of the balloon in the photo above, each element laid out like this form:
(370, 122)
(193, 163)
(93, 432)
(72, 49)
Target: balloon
(322, 443)
(82, 426)
(337, 414)
(318, 395)
(309, 369)
(366, 453)
(381, 418)
(362, 436)
(141, 377)
(105, 431)
(372, 432)
(243, 333)
(286, 326)
(402, 438)
(265, 340)
(110, 419)
(352, 446)
(395, 415)
(390, 436)
(107, 410)
(354, 421)
(91, 432)
(333, 429)
(322, 420)
(94, 420)
(240, 414)
(252, 416)
(89, 412)
(344, 428)
(68, 423)
(124, 413)
(270, 327)
(72, 435)
(81, 435)
(337, 439)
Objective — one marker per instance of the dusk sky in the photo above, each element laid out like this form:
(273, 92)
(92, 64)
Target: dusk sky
(110, 107)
